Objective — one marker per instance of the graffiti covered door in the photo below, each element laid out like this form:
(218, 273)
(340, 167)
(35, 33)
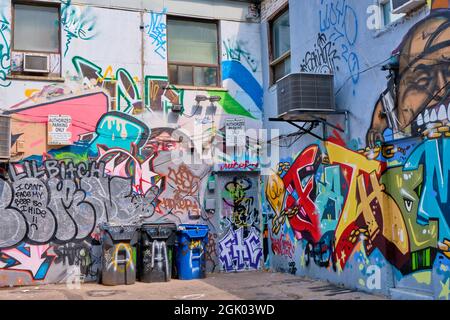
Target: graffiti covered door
(239, 245)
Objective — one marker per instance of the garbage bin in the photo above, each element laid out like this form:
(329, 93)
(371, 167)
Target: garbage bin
(190, 251)
(155, 252)
(119, 253)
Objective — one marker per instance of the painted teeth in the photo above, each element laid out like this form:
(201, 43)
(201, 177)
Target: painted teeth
(448, 112)
(426, 116)
(442, 114)
(419, 120)
(433, 116)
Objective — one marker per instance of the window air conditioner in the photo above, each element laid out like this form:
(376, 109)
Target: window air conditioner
(36, 63)
(405, 6)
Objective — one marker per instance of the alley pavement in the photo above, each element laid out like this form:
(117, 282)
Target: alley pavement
(217, 286)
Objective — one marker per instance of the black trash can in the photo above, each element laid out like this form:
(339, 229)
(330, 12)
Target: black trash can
(119, 253)
(155, 252)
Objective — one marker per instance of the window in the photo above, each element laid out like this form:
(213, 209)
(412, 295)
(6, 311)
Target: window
(386, 13)
(193, 53)
(280, 45)
(35, 41)
(36, 28)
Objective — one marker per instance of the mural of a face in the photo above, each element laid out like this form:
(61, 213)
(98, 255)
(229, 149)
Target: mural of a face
(421, 104)
(424, 74)
(162, 140)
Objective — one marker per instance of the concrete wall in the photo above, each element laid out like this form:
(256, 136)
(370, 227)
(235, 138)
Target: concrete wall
(124, 159)
(372, 216)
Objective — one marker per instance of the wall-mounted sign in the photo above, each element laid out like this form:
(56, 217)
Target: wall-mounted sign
(58, 130)
(235, 132)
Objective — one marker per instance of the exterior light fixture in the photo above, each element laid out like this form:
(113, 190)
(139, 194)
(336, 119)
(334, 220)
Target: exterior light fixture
(215, 98)
(177, 107)
(199, 98)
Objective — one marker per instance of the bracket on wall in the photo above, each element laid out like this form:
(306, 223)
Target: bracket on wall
(315, 117)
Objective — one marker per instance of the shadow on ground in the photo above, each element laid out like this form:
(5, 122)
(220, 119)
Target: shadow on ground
(217, 286)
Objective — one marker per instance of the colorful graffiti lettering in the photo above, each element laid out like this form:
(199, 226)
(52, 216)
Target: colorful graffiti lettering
(241, 205)
(160, 95)
(239, 253)
(300, 185)
(397, 211)
(282, 246)
(247, 165)
(121, 258)
(33, 259)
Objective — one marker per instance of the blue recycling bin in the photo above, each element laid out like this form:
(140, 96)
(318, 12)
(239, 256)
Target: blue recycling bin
(190, 251)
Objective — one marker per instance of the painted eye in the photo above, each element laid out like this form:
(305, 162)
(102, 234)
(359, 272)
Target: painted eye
(424, 81)
(408, 204)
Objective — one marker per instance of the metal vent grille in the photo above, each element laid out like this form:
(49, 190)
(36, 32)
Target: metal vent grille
(5, 137)
(305, 91)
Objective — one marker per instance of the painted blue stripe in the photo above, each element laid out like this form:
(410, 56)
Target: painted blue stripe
(235, 71)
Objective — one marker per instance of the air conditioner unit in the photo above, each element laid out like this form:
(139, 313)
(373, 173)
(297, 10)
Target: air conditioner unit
(5, 136)
(36, 63)
(305, 92)
(405, 6)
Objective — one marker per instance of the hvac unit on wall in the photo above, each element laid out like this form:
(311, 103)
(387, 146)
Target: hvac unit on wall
(405, 6)
(305, 92)
(5, 136)
(36, 63)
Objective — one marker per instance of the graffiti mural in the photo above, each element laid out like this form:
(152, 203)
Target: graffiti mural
(5, 54)
(77, 23)
(415, 102)
(361, 201)
(236, 50)
(240, 244)
(322, 59)
(127, 159)
(239, 253)
(33, 259)
(374, 218)
(156, 30)
(339, 22)
(185, 190)
(82, 255)
(241, 209)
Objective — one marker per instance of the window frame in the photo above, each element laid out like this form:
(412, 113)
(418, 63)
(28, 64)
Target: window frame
(275, 62)
(392, 17)
(192, 65)
(35, 4)
(382, 4)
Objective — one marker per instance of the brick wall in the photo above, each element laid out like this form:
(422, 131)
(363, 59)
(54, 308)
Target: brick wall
(268, 7)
